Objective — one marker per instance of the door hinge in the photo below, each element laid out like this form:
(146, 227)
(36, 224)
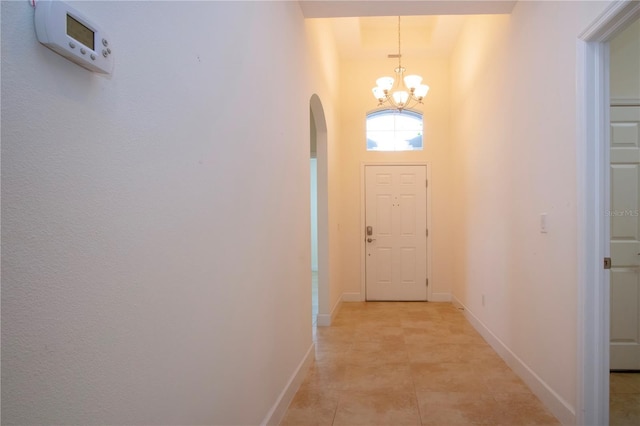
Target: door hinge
(607, 263)
(426, 183)
(427, 282)
(427, 232)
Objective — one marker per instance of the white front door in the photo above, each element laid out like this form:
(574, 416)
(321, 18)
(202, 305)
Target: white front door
(625, 238)
(396, 232)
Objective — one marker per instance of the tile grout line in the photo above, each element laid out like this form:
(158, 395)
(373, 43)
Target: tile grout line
(415, 390)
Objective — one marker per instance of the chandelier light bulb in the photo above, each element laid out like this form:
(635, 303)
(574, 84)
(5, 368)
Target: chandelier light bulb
(385, 83)
(400, 97)
(379, 94)
(421, 91)
(412, 81)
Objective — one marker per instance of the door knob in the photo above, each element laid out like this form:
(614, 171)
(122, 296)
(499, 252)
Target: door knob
(370, 239)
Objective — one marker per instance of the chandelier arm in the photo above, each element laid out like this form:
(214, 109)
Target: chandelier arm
(390, 102)
(412, 101)
(389, 99)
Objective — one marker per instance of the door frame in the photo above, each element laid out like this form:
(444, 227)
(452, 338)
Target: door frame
(593, 196)
(362, 233)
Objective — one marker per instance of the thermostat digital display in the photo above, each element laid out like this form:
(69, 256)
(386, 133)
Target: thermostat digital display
(66, 31)
(83, 34)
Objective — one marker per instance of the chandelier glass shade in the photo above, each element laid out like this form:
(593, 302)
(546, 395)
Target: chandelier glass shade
(403, 91)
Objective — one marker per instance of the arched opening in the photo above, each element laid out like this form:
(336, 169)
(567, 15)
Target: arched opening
(319, 209)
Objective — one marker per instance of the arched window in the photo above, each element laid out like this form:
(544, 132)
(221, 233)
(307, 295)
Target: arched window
(391, 130)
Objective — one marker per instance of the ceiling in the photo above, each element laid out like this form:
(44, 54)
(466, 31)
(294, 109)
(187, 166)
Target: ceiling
(368, 29)
(355, 8)
(376, 37)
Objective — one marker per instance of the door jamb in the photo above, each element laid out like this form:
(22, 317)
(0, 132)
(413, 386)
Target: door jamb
(363, 270)
(593, 201)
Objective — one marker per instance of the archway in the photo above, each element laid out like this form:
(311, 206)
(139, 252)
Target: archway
(318, 140)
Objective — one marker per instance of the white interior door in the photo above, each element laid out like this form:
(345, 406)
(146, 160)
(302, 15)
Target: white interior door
(625, 238)
(396, 232)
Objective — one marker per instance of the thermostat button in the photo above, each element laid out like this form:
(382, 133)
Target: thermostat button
(105, 43)
(72, 45)
(105, 53)
(109, 50)
(93, 57)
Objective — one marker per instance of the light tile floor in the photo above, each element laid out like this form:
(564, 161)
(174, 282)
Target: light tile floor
(624, 400)
(409, 363)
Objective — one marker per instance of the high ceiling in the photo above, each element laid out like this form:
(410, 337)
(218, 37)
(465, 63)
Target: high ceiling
(366, 29)
(377, 37)
(356, 8)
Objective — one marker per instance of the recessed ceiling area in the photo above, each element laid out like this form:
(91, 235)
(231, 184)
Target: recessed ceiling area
(376, 37)
(339, 9)
(376, 31)
(369, 29)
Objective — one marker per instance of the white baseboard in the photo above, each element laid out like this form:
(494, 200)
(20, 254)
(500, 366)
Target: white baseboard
(276, 414)
(357, 297)
(456, 303)
(325, 320)
(554, 402)
(352, 297)
(440, 297)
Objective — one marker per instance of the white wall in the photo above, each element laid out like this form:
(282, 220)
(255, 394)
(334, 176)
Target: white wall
(155, 233)
(359, 77)
(625, 65)
(514, 135)
(323, 68)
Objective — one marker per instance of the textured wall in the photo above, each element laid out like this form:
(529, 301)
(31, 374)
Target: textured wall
(514, 99)
(155, 247)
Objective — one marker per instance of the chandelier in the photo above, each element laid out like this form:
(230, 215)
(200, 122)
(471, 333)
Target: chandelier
(407, 92)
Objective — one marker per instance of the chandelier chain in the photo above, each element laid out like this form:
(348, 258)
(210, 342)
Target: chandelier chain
(399, 51)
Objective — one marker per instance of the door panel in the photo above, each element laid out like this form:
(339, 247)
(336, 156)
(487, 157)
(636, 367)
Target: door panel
(384, 207)
(408, 264)
(384, 265)
(407, 215)
(624, 201)
(396, 256)
(625, 299)
(625, 238)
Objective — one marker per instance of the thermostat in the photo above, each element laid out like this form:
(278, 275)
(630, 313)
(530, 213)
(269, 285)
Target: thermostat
(69, 33)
